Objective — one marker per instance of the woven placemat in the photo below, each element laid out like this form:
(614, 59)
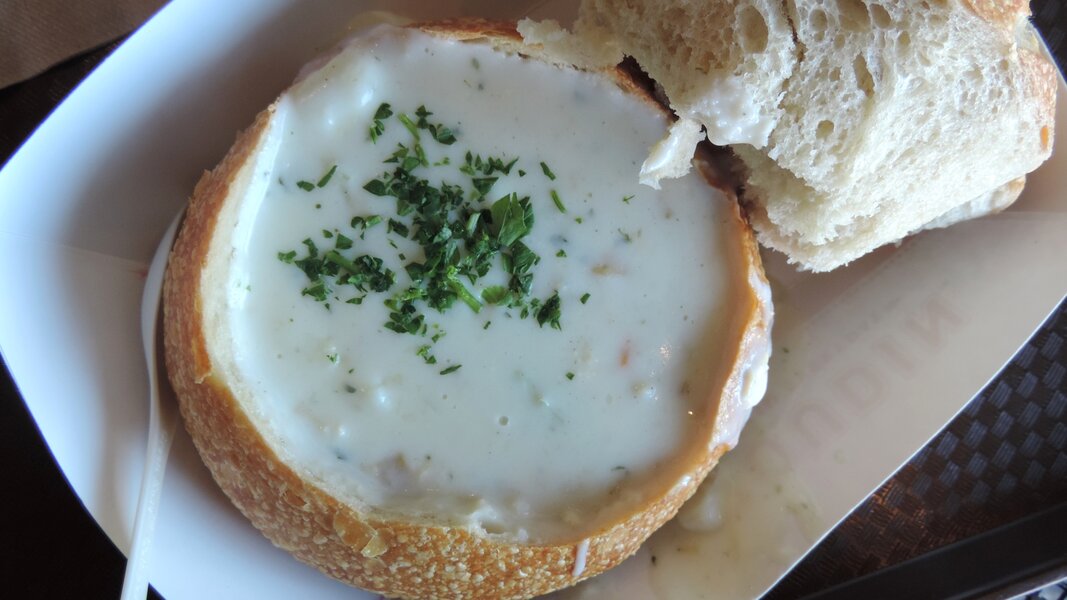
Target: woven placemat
(1004, 457)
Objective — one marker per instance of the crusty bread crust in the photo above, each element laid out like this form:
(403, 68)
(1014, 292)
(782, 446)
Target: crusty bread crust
(355, 544)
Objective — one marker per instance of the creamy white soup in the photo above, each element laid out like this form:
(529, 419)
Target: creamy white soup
(450, 297)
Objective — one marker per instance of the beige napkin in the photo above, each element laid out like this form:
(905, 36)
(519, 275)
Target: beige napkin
(37, 34)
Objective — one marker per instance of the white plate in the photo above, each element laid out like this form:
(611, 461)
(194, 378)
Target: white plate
(880, 354)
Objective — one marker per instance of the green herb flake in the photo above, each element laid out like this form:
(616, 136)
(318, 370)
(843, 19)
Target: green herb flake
(422, 113)
(332, 358)
(424, 353)
(627, 199)
(495, 294)
(394, 225)
(570, 375)
(384, 112)
(462, 292)
(513, 218)
(451, 369)
(307, 186)
(557, 201)
(482, 185)
(443, 135)
(561, 253)
(584, 298)
(316, 290)
(377, 128)
(487, 324)
(409, 124)
(376, 187)
(549, 312)
(287, 257)
(326, 178)
(548, 172)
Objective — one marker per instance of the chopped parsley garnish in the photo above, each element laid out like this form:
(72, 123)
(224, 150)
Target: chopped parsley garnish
(627, 199)
(557, 201)
(460, 234)
(461, 291)
(363, 272)
(495, 294)
(326, 178)
(409, 124)
(424, 352)
(512, 217)
(332, 357)
(549, 312)
(316, 290)
(570, 375)
(440, 133)
(482, 185)
(584, 298)
(394, 225)
(365, 223)
(474, 164)
(376, 187)
(307, 186)
(378, 127)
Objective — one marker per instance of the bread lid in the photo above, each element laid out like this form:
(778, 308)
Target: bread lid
(858, 122)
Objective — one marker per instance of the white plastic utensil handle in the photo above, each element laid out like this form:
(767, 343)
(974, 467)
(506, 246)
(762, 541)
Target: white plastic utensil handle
(161, 422)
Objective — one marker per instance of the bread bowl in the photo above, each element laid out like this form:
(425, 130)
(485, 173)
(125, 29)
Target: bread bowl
(419, 539)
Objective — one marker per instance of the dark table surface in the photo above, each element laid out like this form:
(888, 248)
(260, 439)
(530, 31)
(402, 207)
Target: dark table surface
(1001, 461)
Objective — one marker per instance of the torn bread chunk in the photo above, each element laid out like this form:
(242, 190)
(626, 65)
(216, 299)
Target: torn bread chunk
(859, 122)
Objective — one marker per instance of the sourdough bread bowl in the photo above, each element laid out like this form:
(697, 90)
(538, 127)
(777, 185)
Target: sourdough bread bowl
(857, 122)
(532, 364)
